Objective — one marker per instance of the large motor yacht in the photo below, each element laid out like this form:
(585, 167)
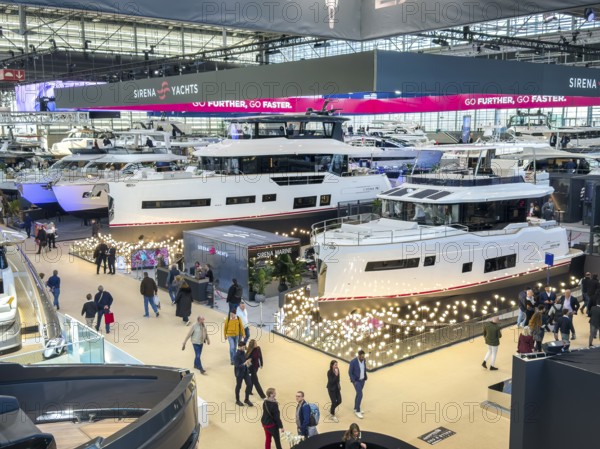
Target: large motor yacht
(282, 172)
(439, 236)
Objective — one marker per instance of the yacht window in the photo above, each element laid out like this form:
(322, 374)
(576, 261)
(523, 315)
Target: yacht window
(269, 197)
(500, 263)
(240, 200)
(164, 204)
(271, 129)
(467, 267)
(429, 261)
(339, 164)
(313, 129)
(325, 200)
(305, 201)
(398, 264)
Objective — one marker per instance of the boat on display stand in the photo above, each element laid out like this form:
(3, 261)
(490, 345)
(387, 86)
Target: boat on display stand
(277, 172)
(10, 320)
(73, 194)
(439, 236)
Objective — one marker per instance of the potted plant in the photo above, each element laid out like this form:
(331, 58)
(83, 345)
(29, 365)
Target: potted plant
(288, 271)
(259, 277)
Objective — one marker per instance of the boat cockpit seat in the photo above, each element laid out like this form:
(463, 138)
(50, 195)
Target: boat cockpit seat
(17, 430)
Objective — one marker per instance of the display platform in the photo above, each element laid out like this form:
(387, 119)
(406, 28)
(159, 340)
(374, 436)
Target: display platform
(333, 440)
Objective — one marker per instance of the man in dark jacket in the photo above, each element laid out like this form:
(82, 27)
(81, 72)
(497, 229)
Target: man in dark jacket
(149, 289)
(492, 335)
(358, 376)
(234, 296)
(89, 309)
(53, 284)
(566, 328)
(547, 297)
(242, 374)
(27, 223)
(103, 300)
(112, 258)
(173, 273)
(585, 283)
(100, 254)
(302, 414)
(594, 314)
(41, 238)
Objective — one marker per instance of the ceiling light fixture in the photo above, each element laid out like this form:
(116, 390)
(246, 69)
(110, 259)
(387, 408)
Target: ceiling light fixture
(589, 14)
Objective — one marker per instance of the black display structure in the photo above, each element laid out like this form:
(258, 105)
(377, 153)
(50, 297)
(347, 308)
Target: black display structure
(229, 249)
(333, 440)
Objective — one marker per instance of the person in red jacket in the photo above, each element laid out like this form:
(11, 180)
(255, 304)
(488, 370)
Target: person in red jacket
(526, 343)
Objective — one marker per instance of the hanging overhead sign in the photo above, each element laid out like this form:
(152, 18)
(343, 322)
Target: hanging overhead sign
(12, 75)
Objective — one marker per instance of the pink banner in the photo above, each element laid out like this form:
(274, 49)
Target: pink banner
(371, 106)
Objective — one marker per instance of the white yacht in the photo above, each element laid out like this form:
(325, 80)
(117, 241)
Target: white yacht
(439, 236)
(81, 139)
(10, 320)
(536, 126)
(73, 194)
(281, 172)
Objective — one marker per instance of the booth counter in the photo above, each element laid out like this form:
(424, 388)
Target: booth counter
(198, 286)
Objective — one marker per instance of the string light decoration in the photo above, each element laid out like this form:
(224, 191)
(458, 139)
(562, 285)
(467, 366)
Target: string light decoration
(391, 333)
(85, 248)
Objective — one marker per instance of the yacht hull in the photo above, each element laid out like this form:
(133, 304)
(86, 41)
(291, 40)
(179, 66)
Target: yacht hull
(39, 193)
(75, 199)
(446, 263)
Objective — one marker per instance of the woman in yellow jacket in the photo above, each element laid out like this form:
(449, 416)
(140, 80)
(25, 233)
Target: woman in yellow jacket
(232, 330)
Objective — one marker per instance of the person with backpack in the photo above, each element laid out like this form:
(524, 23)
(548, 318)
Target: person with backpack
(271, 419)
(307, 416)
(234, 296)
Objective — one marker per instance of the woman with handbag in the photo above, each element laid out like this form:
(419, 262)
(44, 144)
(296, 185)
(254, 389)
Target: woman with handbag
(254, 354)
(334, 388)
(184, 303)
(271, 419)
(199, 336)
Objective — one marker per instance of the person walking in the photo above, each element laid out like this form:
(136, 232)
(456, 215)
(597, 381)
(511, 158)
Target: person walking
(271, 419)
(254, 354)
(103, 300)
(536, 324)
(234, 296)
(149, 289)
(492, 335)
(351, 438)
(358, 377)
(242, 374)
(594, 315)
(184, 303)
(89, 310)
(172, 286)
(210, 292)
(51, 235)
(566, 328)
(27, 224)
(41, 238)
(334, 388)
(53, 284)
(302, 415)
(95, 228)
(199, 336)
(100, 256)
(112, 258)
(232, 331)
(242, 313)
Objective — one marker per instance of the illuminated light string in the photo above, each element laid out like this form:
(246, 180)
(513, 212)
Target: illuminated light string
(388, 333)
(85, 248)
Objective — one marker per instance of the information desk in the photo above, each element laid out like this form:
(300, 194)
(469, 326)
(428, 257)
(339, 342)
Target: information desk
(198, 286)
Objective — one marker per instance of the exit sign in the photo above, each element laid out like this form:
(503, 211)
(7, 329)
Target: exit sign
(12, 75)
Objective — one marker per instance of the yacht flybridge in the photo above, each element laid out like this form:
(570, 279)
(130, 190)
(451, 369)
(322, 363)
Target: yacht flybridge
(282, 171)
(439, 236)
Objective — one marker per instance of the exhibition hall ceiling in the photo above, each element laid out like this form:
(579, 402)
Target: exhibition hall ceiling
(337, 19)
